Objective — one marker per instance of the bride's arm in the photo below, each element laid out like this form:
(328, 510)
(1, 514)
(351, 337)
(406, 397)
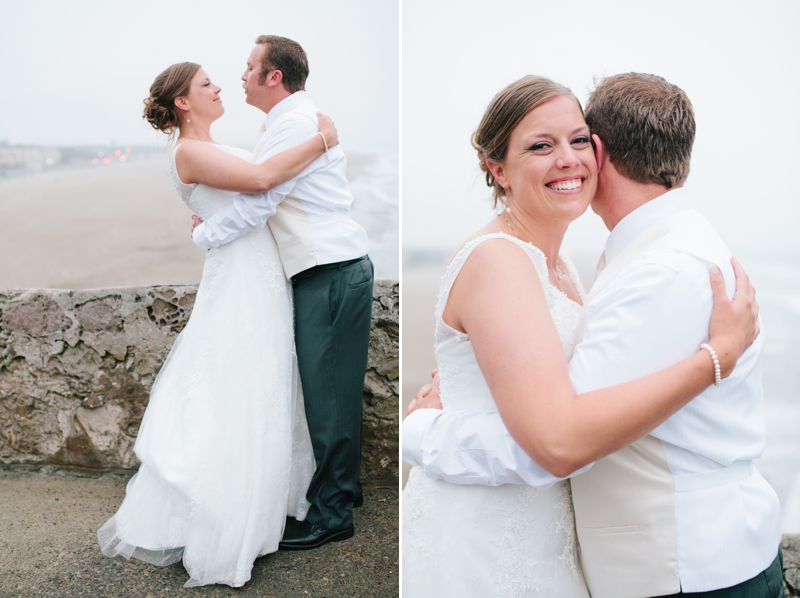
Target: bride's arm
(251, 211)
(199, 162)
(498, 300)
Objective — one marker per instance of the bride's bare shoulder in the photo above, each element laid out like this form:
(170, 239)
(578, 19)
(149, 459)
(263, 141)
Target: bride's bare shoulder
(489, 229)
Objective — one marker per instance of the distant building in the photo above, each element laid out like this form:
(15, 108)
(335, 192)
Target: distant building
(28, 157)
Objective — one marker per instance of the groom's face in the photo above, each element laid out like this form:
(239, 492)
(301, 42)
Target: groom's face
(255, 94)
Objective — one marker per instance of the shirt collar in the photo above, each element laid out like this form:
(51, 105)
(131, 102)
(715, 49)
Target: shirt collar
(643, 217)
(282, 107)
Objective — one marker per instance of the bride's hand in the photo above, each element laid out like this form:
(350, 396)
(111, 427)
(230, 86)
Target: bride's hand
(734, 323)
(428, 396)
(327, 128)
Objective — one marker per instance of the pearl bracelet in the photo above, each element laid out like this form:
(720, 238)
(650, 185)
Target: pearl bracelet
(717, 377)
(325, 141)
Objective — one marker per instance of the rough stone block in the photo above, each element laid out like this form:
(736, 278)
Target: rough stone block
(791, 564)
(76, 368)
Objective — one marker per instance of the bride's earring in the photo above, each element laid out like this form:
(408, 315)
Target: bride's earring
(188, 120)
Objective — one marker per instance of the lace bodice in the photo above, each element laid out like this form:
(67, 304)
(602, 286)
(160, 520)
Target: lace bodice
(462, 385)
(202, 200)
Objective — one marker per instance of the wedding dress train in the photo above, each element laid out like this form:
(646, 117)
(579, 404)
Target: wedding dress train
(481, 541)
(224, 444)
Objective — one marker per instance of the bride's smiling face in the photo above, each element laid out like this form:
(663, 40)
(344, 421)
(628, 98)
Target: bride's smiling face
(203, 99)
(549, 170)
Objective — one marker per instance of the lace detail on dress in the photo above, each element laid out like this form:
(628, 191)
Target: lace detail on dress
(184, 190)
(572, 272)
(566, 527)
(518, 565)
(415, 508)
(455, 383)
(564, 311)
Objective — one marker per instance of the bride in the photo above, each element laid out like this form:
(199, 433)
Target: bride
(224, 444)
(509, 281)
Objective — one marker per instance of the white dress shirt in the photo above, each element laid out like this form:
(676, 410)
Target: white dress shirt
(322, 190)
(653, 313)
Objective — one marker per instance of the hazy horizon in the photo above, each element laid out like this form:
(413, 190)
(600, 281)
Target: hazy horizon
(76, 73)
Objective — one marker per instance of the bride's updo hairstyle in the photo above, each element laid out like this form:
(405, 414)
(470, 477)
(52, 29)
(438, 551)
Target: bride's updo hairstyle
(502, 116)
(159, 109)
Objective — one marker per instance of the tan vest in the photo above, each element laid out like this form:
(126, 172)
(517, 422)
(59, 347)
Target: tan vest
(625, 504)
(292, 231)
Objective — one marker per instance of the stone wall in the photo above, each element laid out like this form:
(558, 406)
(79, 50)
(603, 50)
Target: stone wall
(791, 564)
(76, 369)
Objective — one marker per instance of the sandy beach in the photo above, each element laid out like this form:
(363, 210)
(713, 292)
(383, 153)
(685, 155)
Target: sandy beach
(116, 225)
(418, 297)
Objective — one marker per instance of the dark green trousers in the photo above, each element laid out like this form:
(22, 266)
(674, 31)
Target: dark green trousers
(767, 584)
(333, 312)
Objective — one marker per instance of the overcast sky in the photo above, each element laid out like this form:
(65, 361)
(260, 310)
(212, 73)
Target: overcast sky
(737, 60)
(76, 72)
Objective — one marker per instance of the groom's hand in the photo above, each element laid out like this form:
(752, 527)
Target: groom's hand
(428, 396)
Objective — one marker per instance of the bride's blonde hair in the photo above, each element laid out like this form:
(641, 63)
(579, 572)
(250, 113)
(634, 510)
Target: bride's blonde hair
(502, 116)
(159, 108)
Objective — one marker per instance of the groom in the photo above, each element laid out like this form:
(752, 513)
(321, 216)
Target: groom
(324, 254)
(682, 511)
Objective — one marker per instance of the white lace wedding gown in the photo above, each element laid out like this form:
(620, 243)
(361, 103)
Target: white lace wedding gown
(480, 541)
(224, 442)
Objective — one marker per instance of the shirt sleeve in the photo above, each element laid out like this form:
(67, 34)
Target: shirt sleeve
(469, 448)
(250, 211)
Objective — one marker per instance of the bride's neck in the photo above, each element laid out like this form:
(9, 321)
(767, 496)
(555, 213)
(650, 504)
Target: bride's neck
(544, 235)
(195, 130)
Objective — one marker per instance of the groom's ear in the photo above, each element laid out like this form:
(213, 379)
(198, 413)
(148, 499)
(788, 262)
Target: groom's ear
(599, 152)
(275, 78)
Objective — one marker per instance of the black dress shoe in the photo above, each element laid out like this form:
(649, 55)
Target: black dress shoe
(305, 535)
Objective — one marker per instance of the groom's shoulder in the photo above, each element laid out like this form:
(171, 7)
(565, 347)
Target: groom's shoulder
(300, 113)
(694, 234)
(304, 108)
(297, 119)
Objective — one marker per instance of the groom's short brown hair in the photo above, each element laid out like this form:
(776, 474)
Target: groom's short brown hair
(287, 56)
(646, 125)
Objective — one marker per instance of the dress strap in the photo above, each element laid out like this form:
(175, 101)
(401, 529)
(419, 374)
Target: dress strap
(183, 189)
(454, 268)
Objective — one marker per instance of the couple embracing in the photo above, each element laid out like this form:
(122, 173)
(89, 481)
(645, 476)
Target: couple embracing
(256, 413)
(645, 392)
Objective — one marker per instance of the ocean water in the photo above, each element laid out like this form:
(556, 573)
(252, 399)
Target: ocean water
(375, 183)
(777, 281)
